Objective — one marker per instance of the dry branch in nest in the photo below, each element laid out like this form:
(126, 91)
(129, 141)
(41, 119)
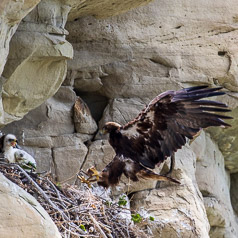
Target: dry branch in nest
(76, 211)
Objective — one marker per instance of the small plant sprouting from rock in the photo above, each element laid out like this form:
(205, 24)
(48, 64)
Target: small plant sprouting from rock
(151, 218)
(122, 201)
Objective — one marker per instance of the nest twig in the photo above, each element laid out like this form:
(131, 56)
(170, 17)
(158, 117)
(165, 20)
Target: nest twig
(76, 211)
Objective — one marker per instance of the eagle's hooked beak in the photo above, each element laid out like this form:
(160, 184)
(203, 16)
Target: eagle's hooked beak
(103, 131)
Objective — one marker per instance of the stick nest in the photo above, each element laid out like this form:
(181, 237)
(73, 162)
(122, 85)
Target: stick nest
(76, 211)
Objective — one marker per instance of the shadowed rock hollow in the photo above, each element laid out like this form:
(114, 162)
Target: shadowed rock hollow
(117, 65)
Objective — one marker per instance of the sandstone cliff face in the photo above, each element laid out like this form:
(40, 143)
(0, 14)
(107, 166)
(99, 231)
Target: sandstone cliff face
(11, 13)
(37, 59)
(119, 64)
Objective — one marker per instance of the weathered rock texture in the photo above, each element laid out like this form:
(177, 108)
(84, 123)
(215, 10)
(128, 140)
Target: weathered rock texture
(11, 13)
(36, 63)
(37, 60)
(214, 183)
(234, 194)
(120, 64)
(179, 209)
(50, 138)
(102, 8)
(21, 215)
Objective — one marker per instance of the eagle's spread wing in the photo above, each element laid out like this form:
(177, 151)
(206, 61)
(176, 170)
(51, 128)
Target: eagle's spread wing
(162, 127)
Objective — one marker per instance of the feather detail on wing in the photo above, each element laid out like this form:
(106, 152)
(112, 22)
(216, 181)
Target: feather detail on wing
(162, 127)
(111, 174)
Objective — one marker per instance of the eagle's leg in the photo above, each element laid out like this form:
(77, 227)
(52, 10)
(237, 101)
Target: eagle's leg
(165, 178)
(84, 180)
(172, 164)
(146, 173)
(93, 174)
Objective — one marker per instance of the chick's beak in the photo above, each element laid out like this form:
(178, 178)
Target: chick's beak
(13, 143)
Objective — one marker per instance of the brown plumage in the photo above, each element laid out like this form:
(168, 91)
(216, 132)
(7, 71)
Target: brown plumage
(159, 131)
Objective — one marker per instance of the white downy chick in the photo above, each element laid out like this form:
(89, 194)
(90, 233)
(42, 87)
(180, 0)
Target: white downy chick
(15, 155)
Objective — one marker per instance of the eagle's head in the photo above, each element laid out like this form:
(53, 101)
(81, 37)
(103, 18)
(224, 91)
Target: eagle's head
(9, 140)
(110, 127)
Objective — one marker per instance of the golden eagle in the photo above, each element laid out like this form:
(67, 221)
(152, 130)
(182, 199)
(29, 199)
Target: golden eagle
(159, 131)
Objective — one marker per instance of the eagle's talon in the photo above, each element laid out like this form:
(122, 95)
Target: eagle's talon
(92, 172)
(84, 180)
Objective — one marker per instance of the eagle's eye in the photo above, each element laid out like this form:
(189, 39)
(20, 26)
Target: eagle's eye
(104, 130)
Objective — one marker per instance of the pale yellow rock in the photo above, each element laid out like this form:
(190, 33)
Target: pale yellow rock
(220, 217)
(228, 141)
(197, 145)
(100, 153)
(21, 215)
(68, 161)
(37, 61)
(102, 8)
(52, 118)
(178, 210)
(122, 110)
(40, 141)
(86, 81)
(43, 158)
(69, 139)
(11, 13)
(234, 194)
(214, 183)
(181, 42)
(36, 78)
(37, 65)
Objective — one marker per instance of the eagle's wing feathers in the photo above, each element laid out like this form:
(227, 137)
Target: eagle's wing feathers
(162, 127)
